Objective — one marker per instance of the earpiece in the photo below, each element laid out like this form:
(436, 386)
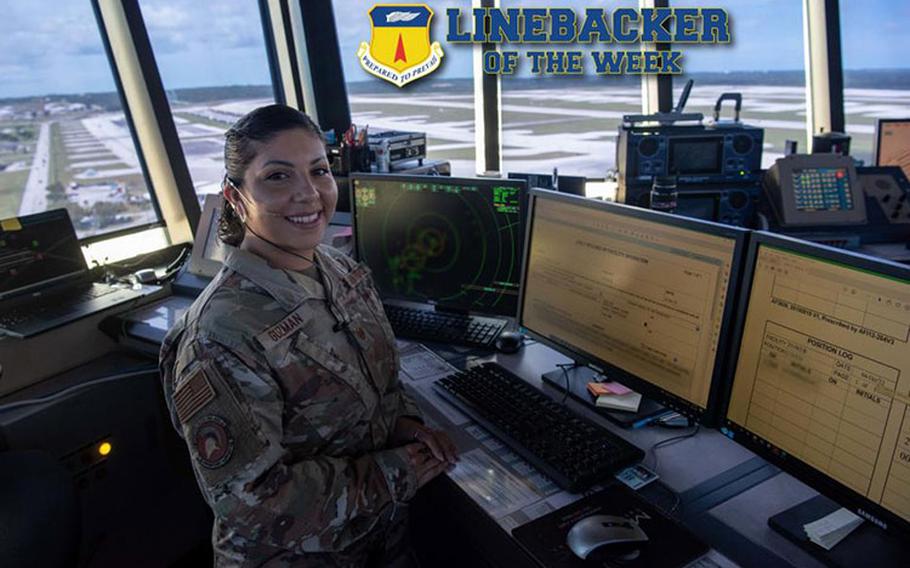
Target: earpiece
(240, 210)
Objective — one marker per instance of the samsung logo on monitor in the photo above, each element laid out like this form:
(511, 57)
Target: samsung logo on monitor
(872, 519)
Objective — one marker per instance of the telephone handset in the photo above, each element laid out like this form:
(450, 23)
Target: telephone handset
(815, 189)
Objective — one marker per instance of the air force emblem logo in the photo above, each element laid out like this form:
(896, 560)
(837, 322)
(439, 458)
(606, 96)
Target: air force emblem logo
(399, 50)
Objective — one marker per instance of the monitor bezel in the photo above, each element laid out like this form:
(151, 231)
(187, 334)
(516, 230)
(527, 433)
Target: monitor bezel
(711, 413)
(522, 215)
(799, 469)
(877, 141)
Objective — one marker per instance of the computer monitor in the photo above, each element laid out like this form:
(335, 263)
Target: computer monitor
(574, 185)
(645, 297)
(543, 181)
(38, 250)
(208, 250)
(452, 242)
(892, 143)
(821, 386)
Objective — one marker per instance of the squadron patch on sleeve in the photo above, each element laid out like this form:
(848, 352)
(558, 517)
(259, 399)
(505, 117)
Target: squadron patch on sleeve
(192, 395)
(214, 442)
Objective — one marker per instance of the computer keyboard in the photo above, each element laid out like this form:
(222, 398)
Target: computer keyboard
(473, 331)
(573, 450)
(52, 304)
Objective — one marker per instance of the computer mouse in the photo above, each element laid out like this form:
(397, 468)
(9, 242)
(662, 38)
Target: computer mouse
(509, 342)
(610, 535)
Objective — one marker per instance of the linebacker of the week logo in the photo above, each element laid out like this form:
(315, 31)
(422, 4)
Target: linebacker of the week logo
(399, 50)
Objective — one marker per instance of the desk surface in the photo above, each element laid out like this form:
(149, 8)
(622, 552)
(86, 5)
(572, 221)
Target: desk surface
(511, 492)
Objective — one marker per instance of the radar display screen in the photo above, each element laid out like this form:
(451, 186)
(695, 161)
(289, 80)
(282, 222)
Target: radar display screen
(452, 242)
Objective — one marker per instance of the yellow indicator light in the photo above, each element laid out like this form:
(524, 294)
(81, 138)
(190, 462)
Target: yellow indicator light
(105, 448)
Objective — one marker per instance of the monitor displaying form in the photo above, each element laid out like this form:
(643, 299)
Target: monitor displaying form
(822, 381)
(892, 143)
(451, 242)
(638, 294)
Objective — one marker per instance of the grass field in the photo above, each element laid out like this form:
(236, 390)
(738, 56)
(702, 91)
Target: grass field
(12, 185)
(57, 172)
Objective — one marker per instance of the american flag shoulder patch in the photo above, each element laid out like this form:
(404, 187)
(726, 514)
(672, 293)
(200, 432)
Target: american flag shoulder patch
(192, 395)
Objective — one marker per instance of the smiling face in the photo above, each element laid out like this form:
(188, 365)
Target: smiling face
(287, 196)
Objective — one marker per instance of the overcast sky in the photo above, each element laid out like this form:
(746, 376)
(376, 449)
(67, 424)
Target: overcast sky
(53, 46)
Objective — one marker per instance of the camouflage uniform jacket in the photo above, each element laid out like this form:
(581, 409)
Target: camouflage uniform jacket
(285, 388)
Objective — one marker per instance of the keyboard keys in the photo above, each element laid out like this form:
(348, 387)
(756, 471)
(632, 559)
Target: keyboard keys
(429, 325)
(573, 450)
(53, 305)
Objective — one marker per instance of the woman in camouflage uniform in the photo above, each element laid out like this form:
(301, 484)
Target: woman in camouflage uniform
(283, 375)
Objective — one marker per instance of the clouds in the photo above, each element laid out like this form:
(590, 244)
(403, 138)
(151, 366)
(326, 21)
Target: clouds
(51, 47)
(38, 29)
(177, 25)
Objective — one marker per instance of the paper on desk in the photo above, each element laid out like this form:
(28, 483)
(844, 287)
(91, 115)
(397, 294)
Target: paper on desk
(713, 559)
(617, 388)
(831, 529)
(492, 486)
(420, 368)
(607, 387)
(629, 401)
(477, 432)
(419, 363)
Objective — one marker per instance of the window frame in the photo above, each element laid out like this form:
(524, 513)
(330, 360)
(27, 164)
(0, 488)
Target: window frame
(104, 36)
(180, 218)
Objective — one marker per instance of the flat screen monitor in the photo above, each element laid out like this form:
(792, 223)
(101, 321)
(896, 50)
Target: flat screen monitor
(892, 143)
(38, 250)
(821, 385)
(574, 185)
(451, 242)
(543, 181)
(643, 296)
(208, 250)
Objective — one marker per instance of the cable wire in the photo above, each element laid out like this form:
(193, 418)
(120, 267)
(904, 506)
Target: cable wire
(565, 371)
(669, 442)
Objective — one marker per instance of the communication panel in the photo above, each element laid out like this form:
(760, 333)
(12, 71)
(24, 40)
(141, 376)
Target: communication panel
(815, 189)
(692, 153)
(732, 203)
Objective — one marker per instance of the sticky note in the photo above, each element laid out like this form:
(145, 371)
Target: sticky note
(617, 388)
(11, 224)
